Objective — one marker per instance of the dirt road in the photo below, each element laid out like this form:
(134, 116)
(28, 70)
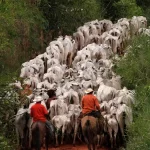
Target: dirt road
(70, 147)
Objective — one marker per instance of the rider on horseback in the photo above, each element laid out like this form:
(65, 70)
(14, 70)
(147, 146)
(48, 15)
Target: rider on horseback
(40, 113)
(91, 107)
(90, 103)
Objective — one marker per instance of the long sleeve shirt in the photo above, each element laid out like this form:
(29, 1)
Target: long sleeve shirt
(38, 112)
(89, 103)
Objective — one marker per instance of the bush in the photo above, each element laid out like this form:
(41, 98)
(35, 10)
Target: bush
(20, 31)
(135, 68)
(136, 75)
(127, 8)
(9, 102)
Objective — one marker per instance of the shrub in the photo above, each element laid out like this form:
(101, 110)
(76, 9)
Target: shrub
(136, 75)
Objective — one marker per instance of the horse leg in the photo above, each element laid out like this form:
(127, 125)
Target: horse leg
(98, 140)
(88, 144)
(30, 137)
(94, 143)
(47, 141)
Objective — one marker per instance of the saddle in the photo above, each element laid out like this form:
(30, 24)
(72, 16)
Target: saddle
(96, 114)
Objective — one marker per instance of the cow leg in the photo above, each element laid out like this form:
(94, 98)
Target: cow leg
(122, 129)
(75, 133)
(63, 131)
(115, 136)
(56, 136)
(18, 138)
(70, 59)
(111, 137)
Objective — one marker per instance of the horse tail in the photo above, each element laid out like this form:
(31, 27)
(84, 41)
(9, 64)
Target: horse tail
(87, 123)
(37, 139)
(88, 130)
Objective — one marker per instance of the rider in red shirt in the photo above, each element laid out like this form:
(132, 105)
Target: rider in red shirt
(89, 102)
(39, 113)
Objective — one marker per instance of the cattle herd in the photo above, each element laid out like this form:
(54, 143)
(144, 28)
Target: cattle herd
(72, 64)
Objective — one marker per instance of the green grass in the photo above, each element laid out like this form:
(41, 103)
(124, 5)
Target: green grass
(135, 70)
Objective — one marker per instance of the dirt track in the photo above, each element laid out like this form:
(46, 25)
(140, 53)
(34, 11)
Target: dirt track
(70, 147)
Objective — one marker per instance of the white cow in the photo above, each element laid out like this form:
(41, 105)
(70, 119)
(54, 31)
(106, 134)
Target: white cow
(105, 93)
(71, 97)
(74, 111)
(112, 126)
(61, 121)
(21, 125)
(58, 107)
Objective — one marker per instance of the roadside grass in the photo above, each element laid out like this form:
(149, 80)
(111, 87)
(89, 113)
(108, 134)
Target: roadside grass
(135, 70)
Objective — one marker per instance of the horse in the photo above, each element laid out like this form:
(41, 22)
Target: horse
(39, 134)
(89, 126)
(21, 121)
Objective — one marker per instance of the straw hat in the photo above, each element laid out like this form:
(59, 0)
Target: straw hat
(38, 99)
(89, 90)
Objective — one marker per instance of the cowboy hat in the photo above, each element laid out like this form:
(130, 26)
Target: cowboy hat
(38, 99)
(89, 90)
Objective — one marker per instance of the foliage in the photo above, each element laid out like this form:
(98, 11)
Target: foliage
(134, 69)
(64, 16)
(19, 32)
(127, 9)
(139, 137)
(145, 6)
(27, 27)
(116, 9)
(4, 144)
(9, 102)
(20, 36)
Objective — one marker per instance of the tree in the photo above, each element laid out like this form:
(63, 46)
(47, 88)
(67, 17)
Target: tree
(116, 9)
(127, 9)
(145, 5)
(64, 16)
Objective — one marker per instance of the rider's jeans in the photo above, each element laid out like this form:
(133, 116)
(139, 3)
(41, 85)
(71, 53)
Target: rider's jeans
(50, 127)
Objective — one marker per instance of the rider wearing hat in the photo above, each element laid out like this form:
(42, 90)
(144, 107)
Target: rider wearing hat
(40, 113)
(89, 102)
(90, 107)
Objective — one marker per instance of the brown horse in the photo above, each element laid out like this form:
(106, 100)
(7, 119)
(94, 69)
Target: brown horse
(89, 126)
(39, 134)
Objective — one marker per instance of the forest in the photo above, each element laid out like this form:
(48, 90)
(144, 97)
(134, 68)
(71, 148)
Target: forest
(27, 27)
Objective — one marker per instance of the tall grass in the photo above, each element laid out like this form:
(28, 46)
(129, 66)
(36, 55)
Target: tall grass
(135, 70)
